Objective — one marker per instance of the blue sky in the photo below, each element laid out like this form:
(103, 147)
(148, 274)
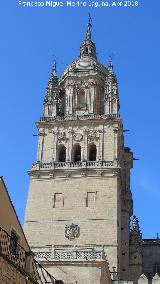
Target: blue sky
(30, 40)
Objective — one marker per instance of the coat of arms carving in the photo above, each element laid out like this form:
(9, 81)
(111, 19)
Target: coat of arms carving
(72, 231)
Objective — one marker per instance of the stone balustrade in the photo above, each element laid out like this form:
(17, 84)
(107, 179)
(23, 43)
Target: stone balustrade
(76, 117)
(75, 165)
(70, 254)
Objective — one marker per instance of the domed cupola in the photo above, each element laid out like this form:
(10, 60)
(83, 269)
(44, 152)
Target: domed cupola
(86, 86)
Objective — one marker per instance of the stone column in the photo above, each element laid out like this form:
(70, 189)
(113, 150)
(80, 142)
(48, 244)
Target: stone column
(99, 156)
(70, 144)
(41, 135)
(87, 99)
(103, 143)
(85, 145)
(115, 143)
(70, 100)
(54, 110)
(67, 145)
(92, 98)
(106, 105)
(54, 154)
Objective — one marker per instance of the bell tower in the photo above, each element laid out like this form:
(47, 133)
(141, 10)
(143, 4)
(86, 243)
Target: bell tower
(80, 203)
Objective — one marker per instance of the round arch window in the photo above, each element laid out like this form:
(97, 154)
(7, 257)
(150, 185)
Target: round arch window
(92, 155)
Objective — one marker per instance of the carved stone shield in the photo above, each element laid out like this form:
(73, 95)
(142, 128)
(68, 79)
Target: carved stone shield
(72, 231)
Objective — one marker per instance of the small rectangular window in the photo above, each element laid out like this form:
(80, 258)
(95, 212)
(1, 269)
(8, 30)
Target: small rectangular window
(13, 247)
(58, 200)
(91, 199)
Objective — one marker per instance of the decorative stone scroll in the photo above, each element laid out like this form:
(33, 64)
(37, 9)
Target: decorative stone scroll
(78, 137)
(93, 136)
(62, 137)
(41, 132)
(81, 84)
(72, 231)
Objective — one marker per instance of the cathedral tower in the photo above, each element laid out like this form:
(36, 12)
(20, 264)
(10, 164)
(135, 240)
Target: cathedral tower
(79, 204)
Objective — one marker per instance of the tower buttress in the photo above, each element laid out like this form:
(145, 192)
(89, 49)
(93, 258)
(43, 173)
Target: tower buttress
(135, 252)
(52, 95)
(111, 91)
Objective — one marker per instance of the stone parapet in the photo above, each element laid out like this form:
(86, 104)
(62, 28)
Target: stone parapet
(75, 253)
(75, 165)
(76, 117)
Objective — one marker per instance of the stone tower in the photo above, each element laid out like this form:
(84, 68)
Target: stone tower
(79, 204)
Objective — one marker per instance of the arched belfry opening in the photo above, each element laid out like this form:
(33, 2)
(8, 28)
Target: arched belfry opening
(76, 153)
(61, 153)
(81, 102)
(92, 152)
